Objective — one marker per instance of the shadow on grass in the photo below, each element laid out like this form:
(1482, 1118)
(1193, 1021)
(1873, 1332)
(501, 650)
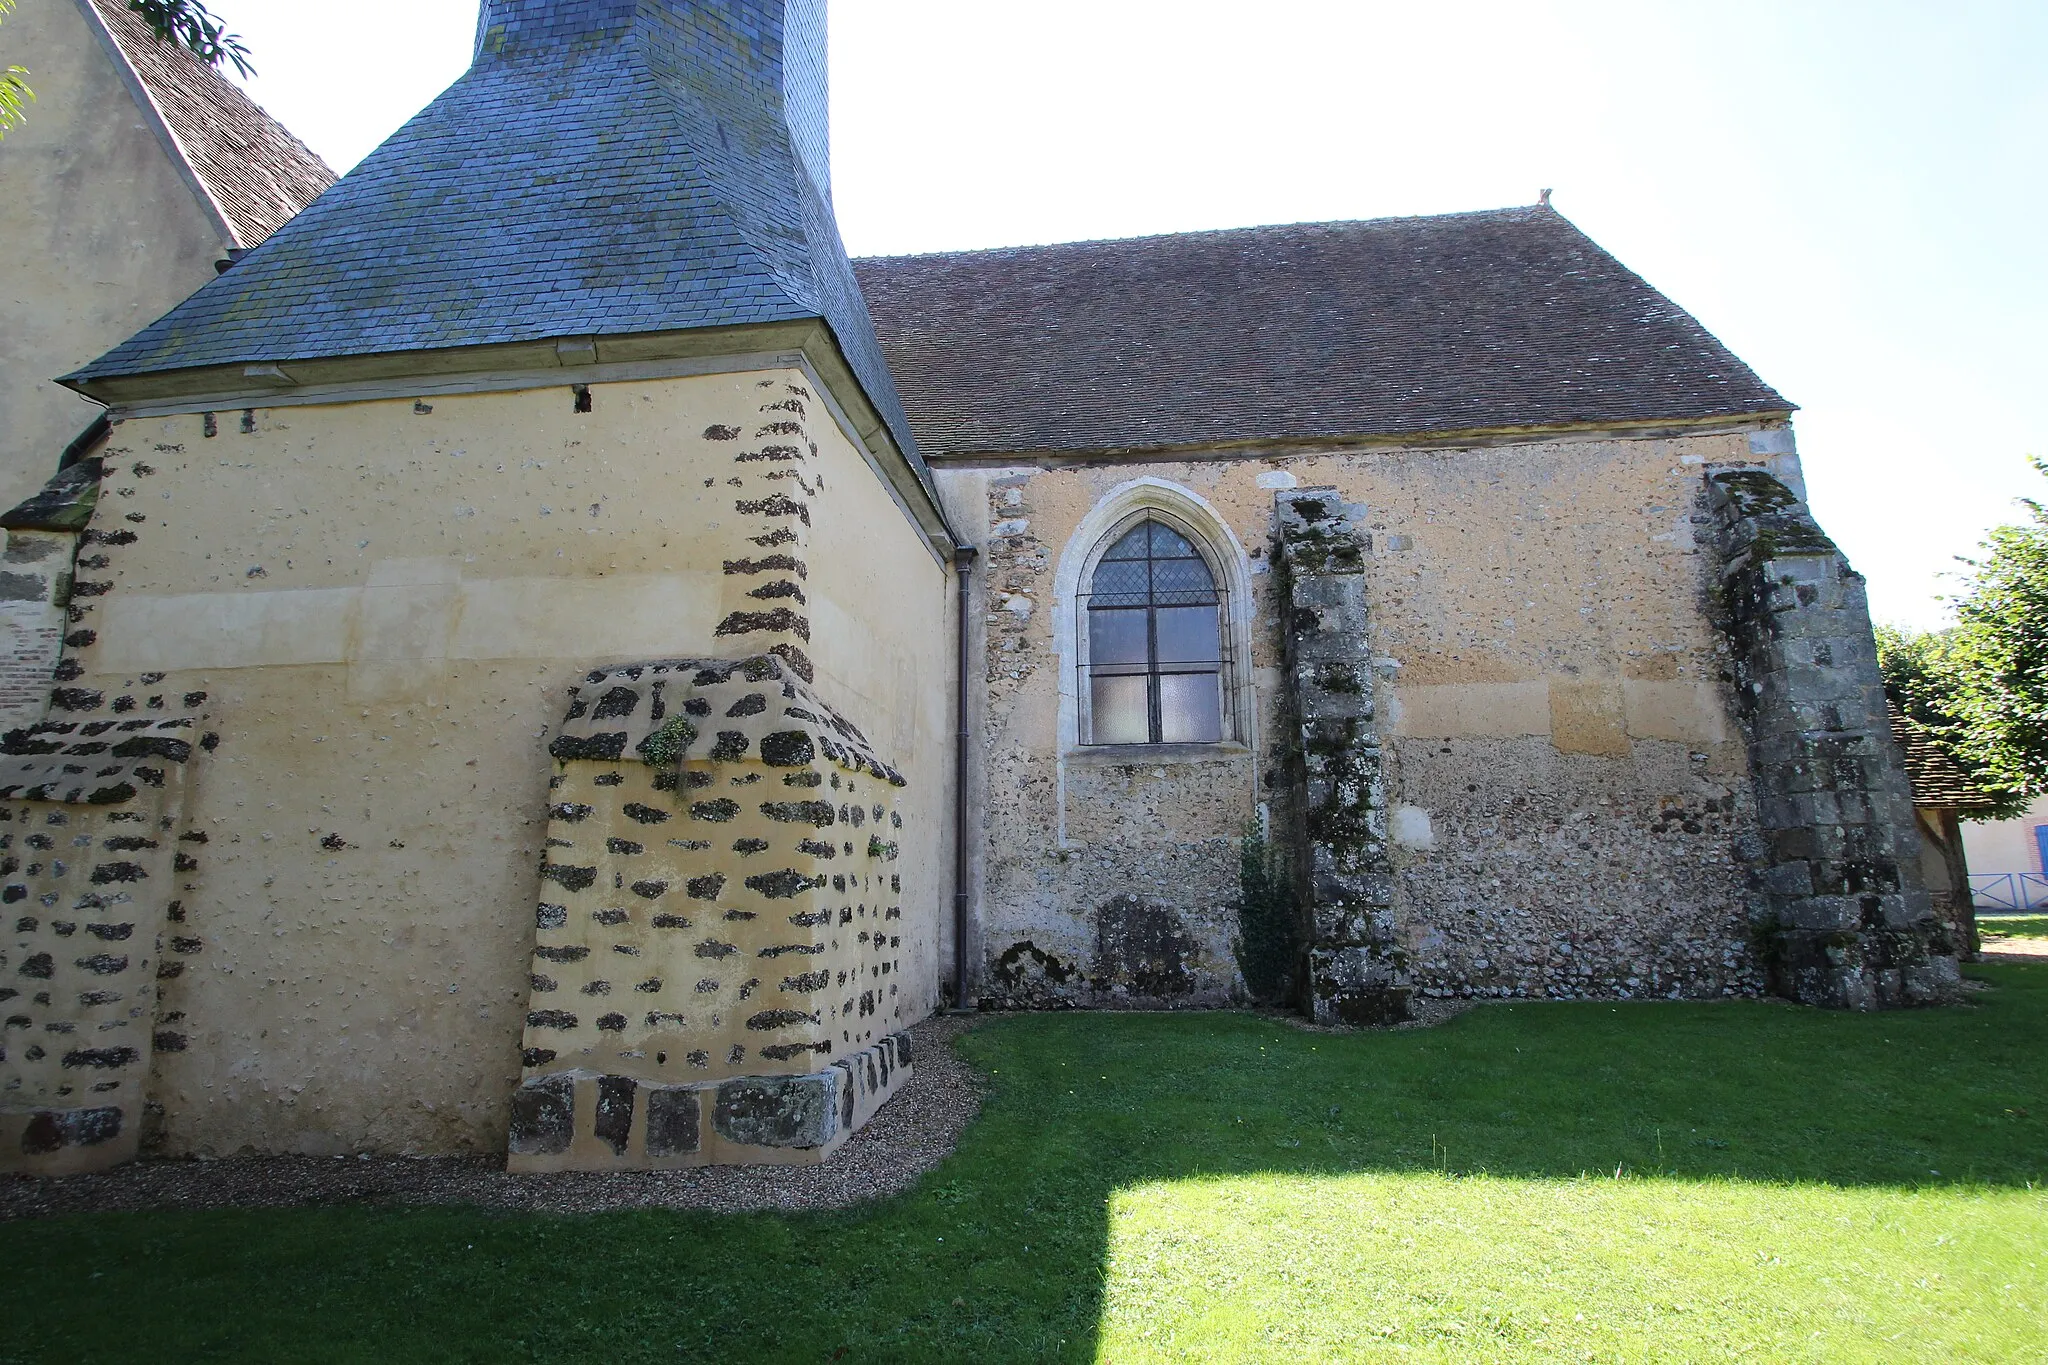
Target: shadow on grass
(1001, 1253)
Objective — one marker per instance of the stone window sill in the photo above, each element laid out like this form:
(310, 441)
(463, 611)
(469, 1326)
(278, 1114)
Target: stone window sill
(1139, 755)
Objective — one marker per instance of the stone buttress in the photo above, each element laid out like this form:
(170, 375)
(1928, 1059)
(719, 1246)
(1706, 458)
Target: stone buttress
(1353, 971)
(1840, 915)
(93, 870)
(718, 940)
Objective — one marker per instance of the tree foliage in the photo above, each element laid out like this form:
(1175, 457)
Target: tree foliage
(1980, 688)
(14, 91)
(188, 24)
(185, 23)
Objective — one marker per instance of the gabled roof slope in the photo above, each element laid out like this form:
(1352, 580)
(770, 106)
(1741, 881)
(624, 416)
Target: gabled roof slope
(605, 167)
(1510, 318)
(1937, 779)
(254, 172)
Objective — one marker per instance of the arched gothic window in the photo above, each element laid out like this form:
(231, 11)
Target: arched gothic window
(1153, 660)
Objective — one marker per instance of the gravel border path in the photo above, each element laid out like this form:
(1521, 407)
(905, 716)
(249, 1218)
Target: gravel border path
(916, 1130)
(2012, 947)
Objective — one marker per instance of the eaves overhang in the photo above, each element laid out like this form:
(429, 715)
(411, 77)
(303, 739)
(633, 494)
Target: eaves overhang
(551, 362)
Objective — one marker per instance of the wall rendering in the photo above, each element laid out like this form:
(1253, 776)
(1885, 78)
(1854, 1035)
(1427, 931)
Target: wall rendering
(103, 234)
(387, 603)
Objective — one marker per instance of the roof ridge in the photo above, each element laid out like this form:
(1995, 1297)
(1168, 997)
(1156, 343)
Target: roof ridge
(1023, 248)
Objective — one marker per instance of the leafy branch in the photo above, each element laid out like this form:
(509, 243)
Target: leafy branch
(188, 24)
(182, 23)
(14, 91)
(1980, 688)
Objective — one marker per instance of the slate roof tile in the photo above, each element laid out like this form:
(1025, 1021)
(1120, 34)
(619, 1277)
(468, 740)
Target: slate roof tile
(603, 168)
(1507, 318)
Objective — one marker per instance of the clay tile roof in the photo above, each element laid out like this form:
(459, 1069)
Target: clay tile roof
(254, 172)
(1508, 318)
(1937, 780)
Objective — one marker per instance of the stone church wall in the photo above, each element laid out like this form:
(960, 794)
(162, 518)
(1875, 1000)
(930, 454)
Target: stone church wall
(104, 235)
(387, 604)
(1567, 793)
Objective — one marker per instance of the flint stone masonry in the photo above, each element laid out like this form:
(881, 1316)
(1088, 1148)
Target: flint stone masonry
(721, 912)
(1842, 917)
(1353, 969)
(1110, 874)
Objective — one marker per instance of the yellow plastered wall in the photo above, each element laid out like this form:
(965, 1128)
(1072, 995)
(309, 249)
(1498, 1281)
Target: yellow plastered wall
(388, 602)
(103, 233)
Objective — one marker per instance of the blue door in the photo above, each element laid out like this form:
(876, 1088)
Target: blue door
(2041, 846)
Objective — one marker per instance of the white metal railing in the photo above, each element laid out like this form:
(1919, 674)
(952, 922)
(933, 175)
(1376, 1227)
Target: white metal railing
(2009, 890)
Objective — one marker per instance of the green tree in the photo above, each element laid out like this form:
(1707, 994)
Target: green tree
(14, 91)
(1980, 688)
(1999, 656)
(186, 23)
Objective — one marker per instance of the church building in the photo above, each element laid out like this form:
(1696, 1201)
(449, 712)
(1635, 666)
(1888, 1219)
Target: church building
(560, 660)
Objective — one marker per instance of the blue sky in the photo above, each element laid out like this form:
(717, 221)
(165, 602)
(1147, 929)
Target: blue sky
(1852, 196)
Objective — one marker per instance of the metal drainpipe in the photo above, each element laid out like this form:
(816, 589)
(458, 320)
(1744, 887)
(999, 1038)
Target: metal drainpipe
(963, 562)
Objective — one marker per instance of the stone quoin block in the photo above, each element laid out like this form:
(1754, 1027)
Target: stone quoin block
(672, 1120)
(544, 1114)
(780, 1111)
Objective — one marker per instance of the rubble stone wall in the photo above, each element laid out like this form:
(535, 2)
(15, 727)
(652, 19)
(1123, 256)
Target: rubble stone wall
(1567, 791)
(35, 589)
(95, 866)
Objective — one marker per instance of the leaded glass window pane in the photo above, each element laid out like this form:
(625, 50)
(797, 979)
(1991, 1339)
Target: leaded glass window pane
(1121, 709)
(1155, 654)
(1120, 583)
(1190, 708)
(1169, 544)
(1115, 638)
(1130, 546)
(1186, 635)
(1182, 580)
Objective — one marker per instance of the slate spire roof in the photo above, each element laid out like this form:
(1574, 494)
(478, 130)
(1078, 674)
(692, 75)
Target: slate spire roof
(250, 170)
(1397, 326)
(605, 167)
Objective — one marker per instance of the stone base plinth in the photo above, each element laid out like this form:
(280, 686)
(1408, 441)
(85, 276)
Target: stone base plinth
(1866, 969)
(1353, 985)
(66, 1141)
(582, 1120)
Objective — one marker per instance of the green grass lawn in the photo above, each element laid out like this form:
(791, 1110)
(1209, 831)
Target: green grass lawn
(1539, 1182)
(2020, 926)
